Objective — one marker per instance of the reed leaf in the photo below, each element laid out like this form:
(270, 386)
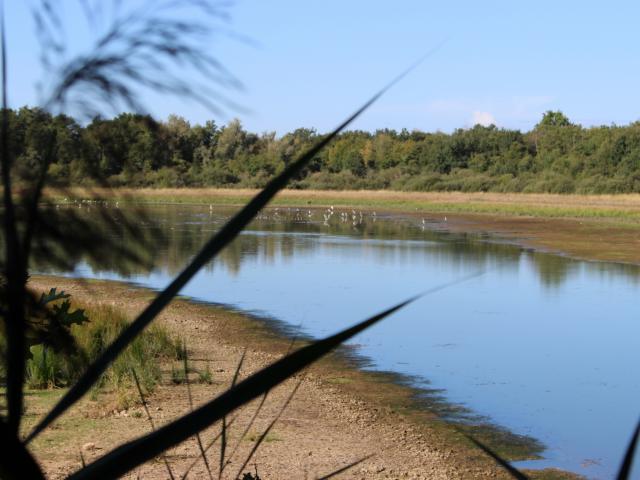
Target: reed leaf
(514, 472)
(345, 468)
(625, 469)
(185, 364)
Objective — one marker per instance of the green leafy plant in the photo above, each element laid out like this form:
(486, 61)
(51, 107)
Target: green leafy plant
(205, 375)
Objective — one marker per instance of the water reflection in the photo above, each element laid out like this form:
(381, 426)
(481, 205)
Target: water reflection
(282, 233)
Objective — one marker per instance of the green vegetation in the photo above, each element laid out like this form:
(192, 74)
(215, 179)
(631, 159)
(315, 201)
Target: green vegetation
(623, 212)
(48, 368)
(133, 150)
(205, 375)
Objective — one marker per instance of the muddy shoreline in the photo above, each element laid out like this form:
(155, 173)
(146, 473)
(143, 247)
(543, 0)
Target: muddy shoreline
(379, 408)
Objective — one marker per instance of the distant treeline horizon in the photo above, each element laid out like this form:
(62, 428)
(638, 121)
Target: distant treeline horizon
(133, 150)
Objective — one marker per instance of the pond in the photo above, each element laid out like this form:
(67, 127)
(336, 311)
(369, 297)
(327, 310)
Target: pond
(539, 344)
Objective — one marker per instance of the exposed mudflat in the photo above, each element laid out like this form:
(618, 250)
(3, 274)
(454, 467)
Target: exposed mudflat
(584, 239)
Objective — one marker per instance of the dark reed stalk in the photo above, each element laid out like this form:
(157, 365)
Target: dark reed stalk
(627, 461)
(188, 383)
(206, 449)
(264, 434)
(16, 461)
(514, 472)
(14, 273)
(150, 419)
(223, 439)
(345, 468)
(257, 411)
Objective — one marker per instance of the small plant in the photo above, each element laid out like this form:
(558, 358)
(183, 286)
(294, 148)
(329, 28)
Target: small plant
(178, 375)
(180, 348)
(45, 369)
(205, 375)
(250, 476)
(255, 436)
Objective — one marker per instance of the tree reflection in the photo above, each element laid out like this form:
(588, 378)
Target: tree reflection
(281, 234)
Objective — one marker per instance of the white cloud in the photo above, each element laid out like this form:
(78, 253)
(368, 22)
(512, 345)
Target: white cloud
(483, 118)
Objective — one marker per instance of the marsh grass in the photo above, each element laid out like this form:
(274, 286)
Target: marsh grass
(617, 208)
(48, 369)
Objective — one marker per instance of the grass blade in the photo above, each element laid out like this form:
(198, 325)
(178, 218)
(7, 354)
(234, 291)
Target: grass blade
(627, 463)
(268, 429)
(150, 418)
(127, 456)
(186, 381)
(223, 439)
(514, 472)
(236, 374)
(228, 232)
(206, 449)
(258, 409)
(345, 468)
(198, 438)
(248, 427)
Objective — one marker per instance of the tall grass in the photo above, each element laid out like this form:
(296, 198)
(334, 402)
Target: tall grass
(49, 369)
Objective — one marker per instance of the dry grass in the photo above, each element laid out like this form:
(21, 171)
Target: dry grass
(623, 208)
(622, 200)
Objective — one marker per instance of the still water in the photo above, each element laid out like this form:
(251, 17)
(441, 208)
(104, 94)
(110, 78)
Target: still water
(540, 344)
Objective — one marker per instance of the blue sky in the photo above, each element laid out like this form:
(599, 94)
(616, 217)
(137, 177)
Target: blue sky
(312, 63)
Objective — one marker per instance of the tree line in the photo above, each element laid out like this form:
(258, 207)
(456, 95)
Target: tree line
(556, 156)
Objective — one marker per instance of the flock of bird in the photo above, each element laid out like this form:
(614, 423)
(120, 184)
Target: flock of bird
(297, 214)
(80, 203)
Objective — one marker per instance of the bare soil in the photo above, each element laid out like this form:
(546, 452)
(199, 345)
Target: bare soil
(577, 238)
